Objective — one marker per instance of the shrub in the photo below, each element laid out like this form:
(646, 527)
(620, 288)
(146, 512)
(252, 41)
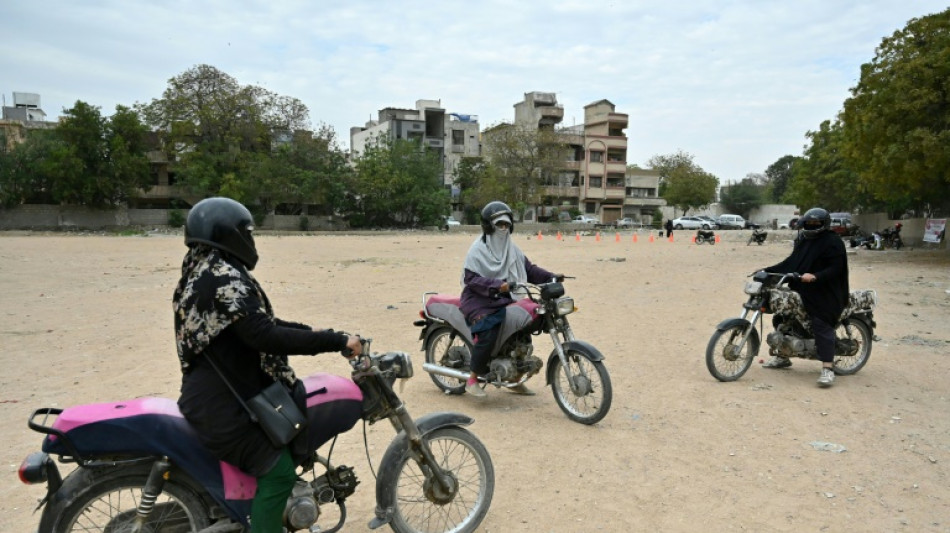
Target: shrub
(176, 218)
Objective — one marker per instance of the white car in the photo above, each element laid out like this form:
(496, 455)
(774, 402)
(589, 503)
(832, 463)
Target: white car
(690, 223)
(627, 222)
(449, 222)
(586, 219)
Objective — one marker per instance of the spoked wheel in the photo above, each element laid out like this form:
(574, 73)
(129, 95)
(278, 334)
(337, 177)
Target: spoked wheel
(423, 506)
(448, 352)
(724, 358)
(106, 502)
(852, 347)
(584, 397)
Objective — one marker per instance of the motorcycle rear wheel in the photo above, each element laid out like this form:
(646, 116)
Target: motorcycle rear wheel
(105, 499)
(589, 399)
(437, 353)
(723, 361)
(856, 331)
(418, 505)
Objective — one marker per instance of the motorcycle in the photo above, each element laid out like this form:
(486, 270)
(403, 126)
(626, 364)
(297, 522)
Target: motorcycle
(575, 368)
(892, 237)
(758, 236)
(735, 343)
(703, 235)
(141, 468)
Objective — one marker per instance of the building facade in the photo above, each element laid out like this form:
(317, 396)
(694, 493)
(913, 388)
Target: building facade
(594, 179)
(453, 136)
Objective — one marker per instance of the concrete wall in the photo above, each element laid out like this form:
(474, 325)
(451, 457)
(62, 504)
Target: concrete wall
(57, 217)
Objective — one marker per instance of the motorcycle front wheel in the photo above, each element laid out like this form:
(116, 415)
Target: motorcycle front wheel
(587, 398)
(445, 351)
(852, 347)
(106, 499)
(422, 507)
(724, 359)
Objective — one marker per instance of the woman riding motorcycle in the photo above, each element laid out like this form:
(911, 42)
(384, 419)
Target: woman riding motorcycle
(493, 263)
(221, 312)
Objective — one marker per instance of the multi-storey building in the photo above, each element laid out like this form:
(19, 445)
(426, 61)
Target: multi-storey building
(594, 179)
(451, 135)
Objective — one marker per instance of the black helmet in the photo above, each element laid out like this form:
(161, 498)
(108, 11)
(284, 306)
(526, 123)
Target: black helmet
(224, 224)
(814, 222)
(491, 212)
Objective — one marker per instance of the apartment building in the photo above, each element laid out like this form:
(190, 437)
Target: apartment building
(452, 136)
(595, 179)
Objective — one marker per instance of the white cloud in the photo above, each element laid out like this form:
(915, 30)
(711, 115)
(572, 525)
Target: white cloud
(736, 83)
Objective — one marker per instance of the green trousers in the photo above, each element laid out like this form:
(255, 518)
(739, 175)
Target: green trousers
(273, 489)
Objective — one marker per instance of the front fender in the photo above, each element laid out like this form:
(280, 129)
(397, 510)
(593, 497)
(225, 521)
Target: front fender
(390, 465)
(583, 347)
(731, 322)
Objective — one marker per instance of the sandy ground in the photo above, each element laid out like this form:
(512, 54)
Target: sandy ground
(88, 319)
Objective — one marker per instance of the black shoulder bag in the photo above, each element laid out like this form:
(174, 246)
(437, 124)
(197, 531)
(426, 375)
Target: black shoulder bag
(273, 409)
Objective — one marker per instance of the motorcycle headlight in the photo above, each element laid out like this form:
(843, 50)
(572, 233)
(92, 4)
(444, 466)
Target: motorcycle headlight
(398, 363)
(564, 306)
(753, 287)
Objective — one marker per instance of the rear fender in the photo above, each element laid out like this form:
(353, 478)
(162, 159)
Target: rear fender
(583, 347)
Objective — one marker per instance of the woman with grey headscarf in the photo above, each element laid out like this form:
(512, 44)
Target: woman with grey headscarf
(493, 261)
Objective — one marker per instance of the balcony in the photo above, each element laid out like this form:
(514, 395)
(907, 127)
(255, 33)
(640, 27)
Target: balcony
(644, 202)
(560, 191)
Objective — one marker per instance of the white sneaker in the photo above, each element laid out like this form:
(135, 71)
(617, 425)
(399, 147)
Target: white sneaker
(777, 362)
(827, 377)
(475, 389)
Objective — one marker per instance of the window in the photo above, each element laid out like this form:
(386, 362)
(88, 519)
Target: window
(596, 181)
(458, 137)
(596, 157)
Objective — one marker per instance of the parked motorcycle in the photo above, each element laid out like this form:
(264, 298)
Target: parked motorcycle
(141, 467)
(575, 369)
(704, 235)
(892, 237)
(758, 236)
(735, 344)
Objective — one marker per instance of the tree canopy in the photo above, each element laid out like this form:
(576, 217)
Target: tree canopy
(896, 125)
(683, 183)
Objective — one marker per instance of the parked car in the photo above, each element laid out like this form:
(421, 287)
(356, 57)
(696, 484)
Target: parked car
(627, 222)
(842, 225)
(448, 223)
(732, 222)
(586, 219)
(690, 223)
(713, 223)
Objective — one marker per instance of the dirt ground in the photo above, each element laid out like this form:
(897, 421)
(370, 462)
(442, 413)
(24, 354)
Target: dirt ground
(87, 318)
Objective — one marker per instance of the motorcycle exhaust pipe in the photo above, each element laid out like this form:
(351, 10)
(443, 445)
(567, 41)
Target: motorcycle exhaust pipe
(444, 371)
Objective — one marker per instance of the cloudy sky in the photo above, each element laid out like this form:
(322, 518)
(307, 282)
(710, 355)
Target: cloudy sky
(735, 83)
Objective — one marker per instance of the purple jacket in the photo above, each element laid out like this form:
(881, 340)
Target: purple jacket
(480, 297)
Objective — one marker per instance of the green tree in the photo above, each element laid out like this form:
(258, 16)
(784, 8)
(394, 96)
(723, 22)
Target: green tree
(683, 183)
(741, 198)
(216, 130)
(523, 160)
(480, 182)
(778, 176)
(897, 121)
(398, 183)
(823, 177)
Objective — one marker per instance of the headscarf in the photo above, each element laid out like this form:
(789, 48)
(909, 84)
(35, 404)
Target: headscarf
(496, 256)
(212, 294)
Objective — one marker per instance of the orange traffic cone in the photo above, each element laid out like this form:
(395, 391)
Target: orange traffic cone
(617, 238)
(539, 235)
(694, 239)
(651, 237)
(717, 238)
(671, 237)
(559, 235)
(634, 237)
(577, 236)
(598, 237)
